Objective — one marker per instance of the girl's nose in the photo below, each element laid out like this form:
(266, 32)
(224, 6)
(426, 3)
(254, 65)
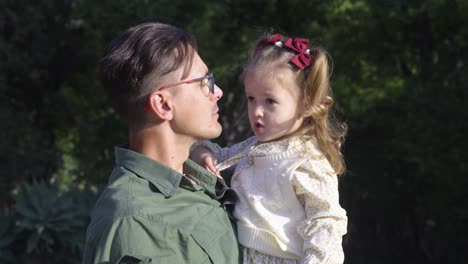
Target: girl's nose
(258, 111)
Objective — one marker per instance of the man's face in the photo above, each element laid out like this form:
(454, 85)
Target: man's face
(195, 108)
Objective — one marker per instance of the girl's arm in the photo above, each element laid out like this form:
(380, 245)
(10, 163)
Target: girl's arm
(208, 154)
(316, 187)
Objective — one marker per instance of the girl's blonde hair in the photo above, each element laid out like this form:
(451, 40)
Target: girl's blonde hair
(314, 82)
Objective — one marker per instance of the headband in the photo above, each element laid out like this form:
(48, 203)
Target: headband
(302, 59)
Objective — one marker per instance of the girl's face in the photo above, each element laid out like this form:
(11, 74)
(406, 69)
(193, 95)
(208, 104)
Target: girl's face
(274, 104)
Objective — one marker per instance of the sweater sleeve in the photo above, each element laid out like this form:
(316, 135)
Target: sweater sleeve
(316, 187)
(225, 153)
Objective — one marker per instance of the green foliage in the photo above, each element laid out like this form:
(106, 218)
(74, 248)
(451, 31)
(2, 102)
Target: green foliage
(52, 223)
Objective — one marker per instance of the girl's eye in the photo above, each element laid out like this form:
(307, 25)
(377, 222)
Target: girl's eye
(250, 98)
(270, 101)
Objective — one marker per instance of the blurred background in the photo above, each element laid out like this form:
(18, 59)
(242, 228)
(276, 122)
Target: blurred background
(400, 81)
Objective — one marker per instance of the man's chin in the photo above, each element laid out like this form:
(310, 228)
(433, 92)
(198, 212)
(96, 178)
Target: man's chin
(211, 134)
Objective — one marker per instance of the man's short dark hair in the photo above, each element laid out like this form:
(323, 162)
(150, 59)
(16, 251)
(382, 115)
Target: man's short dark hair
(144, 52)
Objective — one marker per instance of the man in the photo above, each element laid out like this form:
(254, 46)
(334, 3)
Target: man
(158, 206)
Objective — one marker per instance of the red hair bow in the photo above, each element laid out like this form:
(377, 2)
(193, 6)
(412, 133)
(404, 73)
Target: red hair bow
(271, 41)
(303, 58)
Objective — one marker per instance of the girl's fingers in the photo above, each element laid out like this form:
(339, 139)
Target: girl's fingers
(210, 164)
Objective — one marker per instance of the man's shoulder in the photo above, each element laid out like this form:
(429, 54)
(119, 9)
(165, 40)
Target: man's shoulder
(127, 210)
(120, 207)
(117, 196)
(128, 195)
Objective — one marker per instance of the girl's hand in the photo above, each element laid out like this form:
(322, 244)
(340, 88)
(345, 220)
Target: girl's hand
(205, 158)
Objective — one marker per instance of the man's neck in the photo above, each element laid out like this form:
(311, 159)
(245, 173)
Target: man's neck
(165, 148)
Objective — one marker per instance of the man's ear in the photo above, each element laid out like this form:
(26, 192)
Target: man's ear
(160, 105)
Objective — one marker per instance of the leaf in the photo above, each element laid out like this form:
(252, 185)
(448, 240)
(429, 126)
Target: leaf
(32, 242)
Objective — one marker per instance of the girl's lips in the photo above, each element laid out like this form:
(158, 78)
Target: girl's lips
(259, 127)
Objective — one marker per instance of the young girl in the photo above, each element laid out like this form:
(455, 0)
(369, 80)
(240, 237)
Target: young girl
(286, 175)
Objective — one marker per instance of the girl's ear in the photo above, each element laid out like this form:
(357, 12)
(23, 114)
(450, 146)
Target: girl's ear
(160, 105)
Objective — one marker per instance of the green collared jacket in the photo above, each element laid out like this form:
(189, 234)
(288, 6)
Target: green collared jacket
(149, 213)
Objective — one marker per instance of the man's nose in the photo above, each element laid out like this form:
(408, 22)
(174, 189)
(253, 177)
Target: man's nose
(218, 93)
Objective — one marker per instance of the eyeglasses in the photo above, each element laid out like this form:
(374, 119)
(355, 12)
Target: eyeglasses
(209, 76)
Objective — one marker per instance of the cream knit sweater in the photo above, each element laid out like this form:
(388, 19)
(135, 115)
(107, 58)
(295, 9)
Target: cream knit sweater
(288, 204)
